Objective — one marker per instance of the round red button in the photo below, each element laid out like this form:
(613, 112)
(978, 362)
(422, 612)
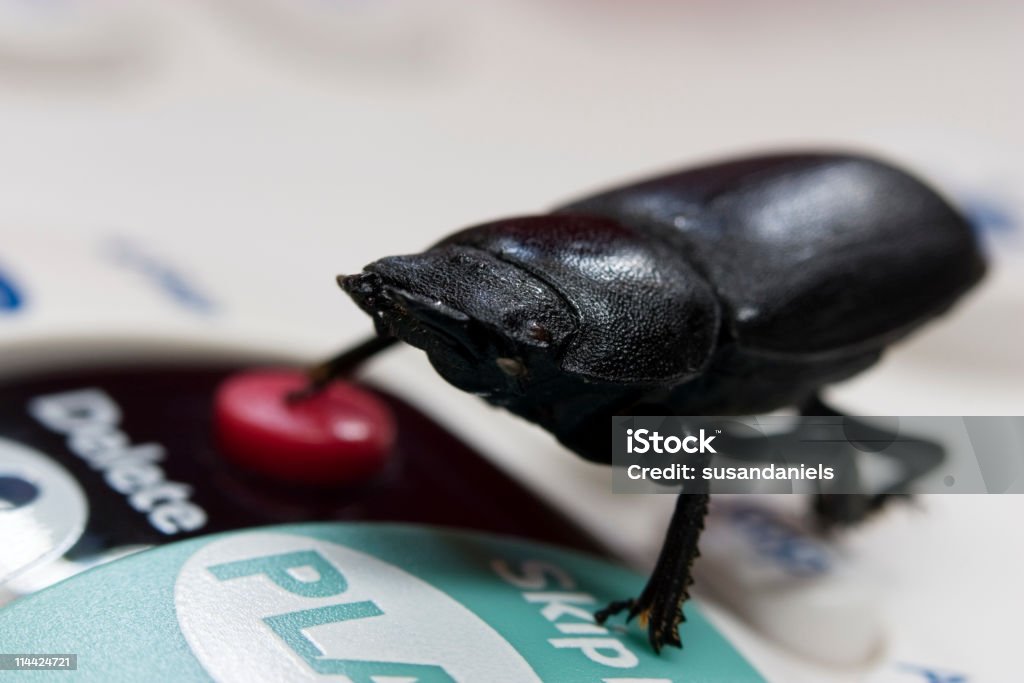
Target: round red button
(341, 435)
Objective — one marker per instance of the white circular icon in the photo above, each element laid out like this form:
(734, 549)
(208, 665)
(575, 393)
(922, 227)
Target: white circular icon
(43, 510)
(324, 611)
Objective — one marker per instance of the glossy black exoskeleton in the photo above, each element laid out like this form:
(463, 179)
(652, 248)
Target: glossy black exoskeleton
(737, 288)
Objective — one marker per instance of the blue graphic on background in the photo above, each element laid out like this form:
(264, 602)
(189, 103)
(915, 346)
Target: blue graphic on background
(932, 676)
(989, 216)
(168, 279)
(16, 492)
(996, 222)
(773, 538)
(11, 298)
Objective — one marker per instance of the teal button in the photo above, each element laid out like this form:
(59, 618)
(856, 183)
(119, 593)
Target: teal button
(371, 602)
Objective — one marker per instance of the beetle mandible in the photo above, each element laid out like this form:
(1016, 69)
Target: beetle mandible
(733, 289)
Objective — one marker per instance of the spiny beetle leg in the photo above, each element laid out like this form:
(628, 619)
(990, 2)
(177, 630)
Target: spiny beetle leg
(660, 605)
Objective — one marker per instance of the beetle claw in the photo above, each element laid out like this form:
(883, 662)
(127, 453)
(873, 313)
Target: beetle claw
(613, 608)
(661, 622)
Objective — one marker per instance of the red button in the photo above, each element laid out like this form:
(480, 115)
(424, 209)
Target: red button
(342, 435)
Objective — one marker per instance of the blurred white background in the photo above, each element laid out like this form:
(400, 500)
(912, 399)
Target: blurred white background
(244, 152)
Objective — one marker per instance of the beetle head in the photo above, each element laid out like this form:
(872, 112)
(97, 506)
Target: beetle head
(488, 327)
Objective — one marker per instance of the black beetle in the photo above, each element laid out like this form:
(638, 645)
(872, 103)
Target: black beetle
(736, 288)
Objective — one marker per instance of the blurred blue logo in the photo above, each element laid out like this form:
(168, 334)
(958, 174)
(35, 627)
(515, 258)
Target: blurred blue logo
(773, 538)
(163, 275)
(11, 298)
(16, 492)
(989, 215)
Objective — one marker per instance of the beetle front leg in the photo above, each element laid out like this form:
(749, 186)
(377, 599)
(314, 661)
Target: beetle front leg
(341, 365)
(660, 604)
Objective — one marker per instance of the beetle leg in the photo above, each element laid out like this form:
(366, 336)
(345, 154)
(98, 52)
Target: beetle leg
(660, 605)
(835, 510)
(846, 509)
(338, 366)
